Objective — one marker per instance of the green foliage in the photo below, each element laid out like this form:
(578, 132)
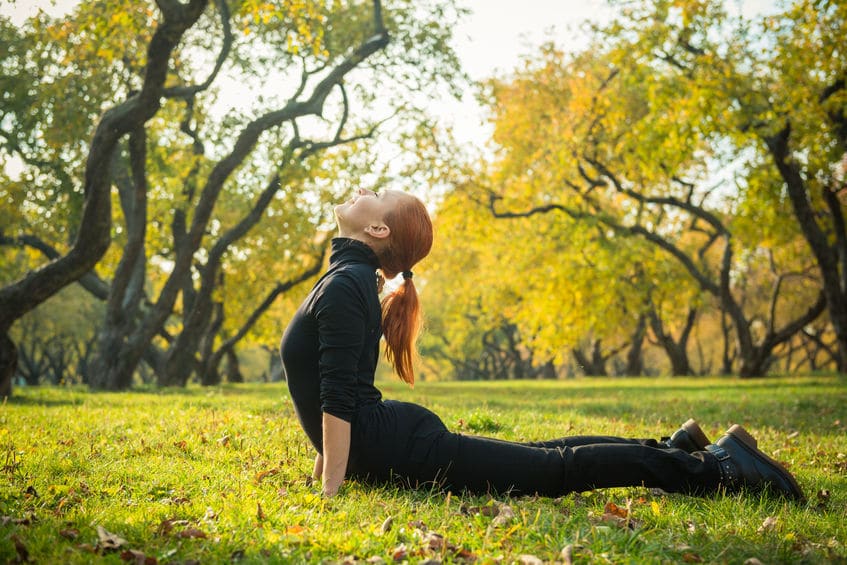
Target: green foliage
(220, 474)
(658, 129)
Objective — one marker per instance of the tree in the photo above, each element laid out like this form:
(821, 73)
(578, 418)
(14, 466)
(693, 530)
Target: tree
(93, 236)
(201, 172)
(620, 143)
(775, 87)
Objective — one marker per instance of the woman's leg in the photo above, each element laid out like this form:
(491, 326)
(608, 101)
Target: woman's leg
(482, 464)
(577, 441)
(689, 437)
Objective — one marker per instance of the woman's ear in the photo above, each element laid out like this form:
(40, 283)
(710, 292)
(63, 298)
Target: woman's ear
(379, 231)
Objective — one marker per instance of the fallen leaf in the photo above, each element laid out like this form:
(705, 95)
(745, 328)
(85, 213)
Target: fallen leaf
(259, 513)
(262, 475)
(691, 527)
(138, 557)
(192, 533)
(691, 558)
(25, 521)
(465, 555)
(295, 529)
(108, 540)
(20, 548)
(183, 445)
(386, 525)
(752, 561)
(526, 559)
(400, 552)
(768, 525)
(614, 509)
(618, 516)
(434, 542)
(417, 525)
(504, 515)
(70, 533)
(167, 525)
(823, 498)
(567, 554)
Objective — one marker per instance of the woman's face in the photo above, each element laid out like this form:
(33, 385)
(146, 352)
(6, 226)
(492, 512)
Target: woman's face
(365, 211)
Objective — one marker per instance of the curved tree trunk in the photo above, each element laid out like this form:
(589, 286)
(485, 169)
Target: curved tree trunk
(830, 250)
(94, 234)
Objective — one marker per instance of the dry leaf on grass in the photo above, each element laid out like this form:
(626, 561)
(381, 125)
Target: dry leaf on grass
(138, 557)
(107, 540)
(400, 552)
(192, 533)
(20, 548)
(503, 517)
(768, 525)
(567, 554)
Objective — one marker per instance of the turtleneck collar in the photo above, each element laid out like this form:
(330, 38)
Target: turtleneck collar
(349, 250)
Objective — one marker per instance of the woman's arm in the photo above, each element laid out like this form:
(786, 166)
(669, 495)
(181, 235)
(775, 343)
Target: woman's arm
(336, 444)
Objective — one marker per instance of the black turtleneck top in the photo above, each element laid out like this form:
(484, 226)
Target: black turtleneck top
(331, 346)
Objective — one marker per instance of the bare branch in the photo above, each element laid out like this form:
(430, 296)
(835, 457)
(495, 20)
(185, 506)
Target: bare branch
(189, 91)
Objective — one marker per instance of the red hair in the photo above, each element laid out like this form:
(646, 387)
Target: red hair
(409, 241)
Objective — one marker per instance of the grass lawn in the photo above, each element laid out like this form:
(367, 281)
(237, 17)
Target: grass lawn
(219, 475)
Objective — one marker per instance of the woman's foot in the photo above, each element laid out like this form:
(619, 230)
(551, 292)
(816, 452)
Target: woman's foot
(742, 465)
(689, 438)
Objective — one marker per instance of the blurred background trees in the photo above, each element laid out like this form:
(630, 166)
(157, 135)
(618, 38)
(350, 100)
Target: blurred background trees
(668, 200)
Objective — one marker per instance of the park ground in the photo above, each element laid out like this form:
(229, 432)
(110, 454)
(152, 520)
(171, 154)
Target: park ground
(219, 475)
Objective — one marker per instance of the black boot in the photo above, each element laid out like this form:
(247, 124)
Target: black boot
(742, 465)
(689, 438)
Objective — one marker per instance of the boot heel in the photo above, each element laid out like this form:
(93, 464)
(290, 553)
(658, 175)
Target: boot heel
(743, 436)
(696, 434)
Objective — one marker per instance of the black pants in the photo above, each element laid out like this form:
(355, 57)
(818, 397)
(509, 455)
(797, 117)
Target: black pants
(406, 442)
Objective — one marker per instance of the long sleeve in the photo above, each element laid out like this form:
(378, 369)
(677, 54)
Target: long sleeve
(341, 315)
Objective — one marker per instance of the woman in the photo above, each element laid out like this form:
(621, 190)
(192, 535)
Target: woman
(330, 351)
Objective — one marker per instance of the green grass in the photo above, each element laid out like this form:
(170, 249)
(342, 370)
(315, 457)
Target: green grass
(221, 474)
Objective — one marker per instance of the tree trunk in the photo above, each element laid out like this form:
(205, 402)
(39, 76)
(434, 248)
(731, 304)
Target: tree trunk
(676, 350)
(831, 257)
(94, 234)
(8, 365)
(127, 288)
(233, 369)
(635, 355)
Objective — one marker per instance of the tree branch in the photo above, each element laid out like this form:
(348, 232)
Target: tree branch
(189, 91)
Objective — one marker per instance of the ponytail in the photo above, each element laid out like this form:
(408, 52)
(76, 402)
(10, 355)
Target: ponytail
(401, 324)
(409, 242)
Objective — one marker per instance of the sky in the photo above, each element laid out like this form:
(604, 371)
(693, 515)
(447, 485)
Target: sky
(492, 40)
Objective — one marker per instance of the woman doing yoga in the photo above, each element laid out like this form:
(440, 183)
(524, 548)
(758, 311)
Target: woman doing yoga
(330, 351)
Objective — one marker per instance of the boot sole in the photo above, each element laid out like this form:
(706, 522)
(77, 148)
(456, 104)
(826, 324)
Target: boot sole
(750, 443)
(692, 428)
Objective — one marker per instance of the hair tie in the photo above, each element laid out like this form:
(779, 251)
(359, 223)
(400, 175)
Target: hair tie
(407, 275)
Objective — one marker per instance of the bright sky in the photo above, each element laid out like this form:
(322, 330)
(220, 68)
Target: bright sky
(491, 40)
